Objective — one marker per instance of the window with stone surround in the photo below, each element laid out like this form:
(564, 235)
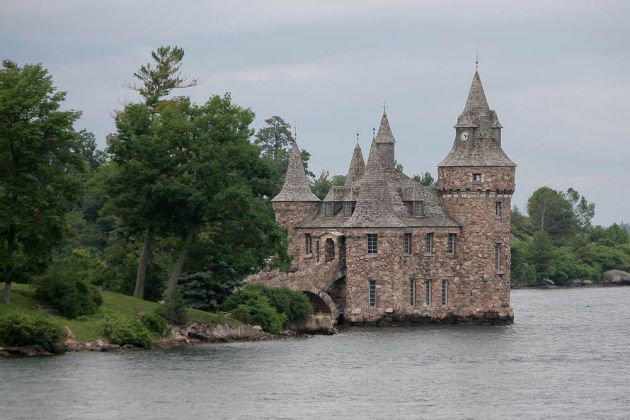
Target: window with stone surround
(418, 209)
(372, 243)
(428, 290)
(372, 293)
(497, 209)
(497, 256)
(428, 248)
(476, 177)
(347, 208)
(444, 292)
(407, 243)
(452, 243)
(328, 209)
(412, 292)
(308, 243)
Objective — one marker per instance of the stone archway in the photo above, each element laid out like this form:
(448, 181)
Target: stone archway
(322, 303)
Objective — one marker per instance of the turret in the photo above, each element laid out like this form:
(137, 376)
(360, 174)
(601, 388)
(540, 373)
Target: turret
(476, 180)
(296, 201)
(385, 142)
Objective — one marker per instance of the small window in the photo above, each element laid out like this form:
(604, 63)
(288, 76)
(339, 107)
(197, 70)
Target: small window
(452, 243)
(347, 208)
(308, 242)
(428, 290)
(328, 209)
(418, 209)
(497, 256)
(407, 243)
(444, 292)
(477, 177)
(412, 292)
(497, 208)
(372, 297)
(429, 243)
(372, 243)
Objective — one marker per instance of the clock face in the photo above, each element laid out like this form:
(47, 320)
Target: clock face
(464, 135)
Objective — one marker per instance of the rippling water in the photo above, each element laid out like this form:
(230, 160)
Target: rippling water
(567, 356)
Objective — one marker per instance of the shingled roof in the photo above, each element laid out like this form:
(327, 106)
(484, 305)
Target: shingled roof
(357, 167)
(296, 186)
(384, 134)
(482, 149)
(378, 203)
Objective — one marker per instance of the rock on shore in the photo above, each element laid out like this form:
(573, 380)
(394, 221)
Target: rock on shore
(616, 278)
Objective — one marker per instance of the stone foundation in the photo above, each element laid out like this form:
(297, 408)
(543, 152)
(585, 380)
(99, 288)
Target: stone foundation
(503, 316)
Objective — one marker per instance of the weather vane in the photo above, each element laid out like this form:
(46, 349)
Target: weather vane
(384, 103)
(295, 131)
(373, 132)
(477, 59)
(357, 137)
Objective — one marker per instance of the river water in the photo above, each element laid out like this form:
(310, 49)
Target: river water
(566, 356)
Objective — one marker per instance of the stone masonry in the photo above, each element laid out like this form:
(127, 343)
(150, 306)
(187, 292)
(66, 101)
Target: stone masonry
(383, 248)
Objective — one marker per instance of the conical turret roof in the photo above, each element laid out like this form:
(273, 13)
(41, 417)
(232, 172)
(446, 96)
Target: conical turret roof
(296, 186)
(476, 101)
(357, 167)
(384, 134)
(378, 203)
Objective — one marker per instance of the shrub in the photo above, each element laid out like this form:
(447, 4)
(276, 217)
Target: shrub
(260, 312)
(73, 297)
(27, 330)
(154, 323)
(173, 309)
(293, 305)
(121, 330)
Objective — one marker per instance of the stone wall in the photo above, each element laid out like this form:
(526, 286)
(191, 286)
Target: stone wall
(288, 214)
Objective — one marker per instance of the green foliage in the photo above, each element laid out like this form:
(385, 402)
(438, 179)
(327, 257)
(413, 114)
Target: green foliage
(174, 309)
(425, 179)
(154, 323)
(68, 289)
(122, 330)
(292, 306)
(27, 330)
(325, 182)
(206, 290)
(39, 166)
(260, 312)
(550, 212)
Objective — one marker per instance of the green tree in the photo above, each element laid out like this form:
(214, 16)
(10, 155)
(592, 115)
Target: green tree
(582, 209)
(38, 166)
(541, 254)
(551, 212)
(325, 182)
(425, 179)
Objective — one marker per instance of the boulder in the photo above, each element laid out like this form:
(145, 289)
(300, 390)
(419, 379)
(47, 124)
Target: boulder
(579, 283)
(319, 324)
(616, 278)
(549, 283)
(24, 351)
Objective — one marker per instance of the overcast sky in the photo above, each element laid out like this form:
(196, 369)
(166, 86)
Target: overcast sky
(557, 73)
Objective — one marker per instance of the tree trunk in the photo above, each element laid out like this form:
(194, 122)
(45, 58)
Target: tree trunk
(8, 268)
(145, 259)
(179, 265)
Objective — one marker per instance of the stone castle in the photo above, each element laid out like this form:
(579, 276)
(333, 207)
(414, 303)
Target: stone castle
(384, 248)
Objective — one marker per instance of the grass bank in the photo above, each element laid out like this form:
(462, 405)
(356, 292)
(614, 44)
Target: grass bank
(91, 328)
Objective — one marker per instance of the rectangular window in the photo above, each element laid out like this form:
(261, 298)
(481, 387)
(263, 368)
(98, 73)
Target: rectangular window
(444, 292)
(328, 209)
(418, 210)
(308, 239)
(498, 209)
(429, 243)
(428, 290)
(412, 292)
(372, 297)
(407, 243)
(497, 256)
(347, 208)
(452, 243)
(477, 177)
(372, 243)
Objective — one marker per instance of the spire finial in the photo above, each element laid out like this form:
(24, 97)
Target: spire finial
(477, 59)
(384, 103)
(295, 131)
(373, 132)
(357, 137)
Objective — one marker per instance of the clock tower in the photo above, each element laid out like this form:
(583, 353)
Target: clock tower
(476, 181)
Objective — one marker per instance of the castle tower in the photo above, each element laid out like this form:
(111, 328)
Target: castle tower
(476, 180)
(357, 167)
(385, 142)
(295, 202)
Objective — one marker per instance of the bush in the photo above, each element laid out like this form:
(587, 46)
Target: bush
(154, 323)
(27, 330)
(293, 305)
(173, 309)
(260, 312)
(72, 296)
(121, 331)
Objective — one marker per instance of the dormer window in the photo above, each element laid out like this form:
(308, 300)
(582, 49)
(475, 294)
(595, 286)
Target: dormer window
(328, 209)
(476, 177)
(347, 208)
(418, 209)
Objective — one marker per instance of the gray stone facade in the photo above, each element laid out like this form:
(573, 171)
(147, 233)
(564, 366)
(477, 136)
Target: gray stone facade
(383, 248)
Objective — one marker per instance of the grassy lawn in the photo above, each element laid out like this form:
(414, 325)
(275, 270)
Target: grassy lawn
(113, 304)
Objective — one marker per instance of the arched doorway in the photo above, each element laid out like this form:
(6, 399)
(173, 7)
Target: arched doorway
(318, 304)
(330, 250)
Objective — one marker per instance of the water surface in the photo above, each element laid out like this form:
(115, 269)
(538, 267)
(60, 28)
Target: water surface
(566, 356)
